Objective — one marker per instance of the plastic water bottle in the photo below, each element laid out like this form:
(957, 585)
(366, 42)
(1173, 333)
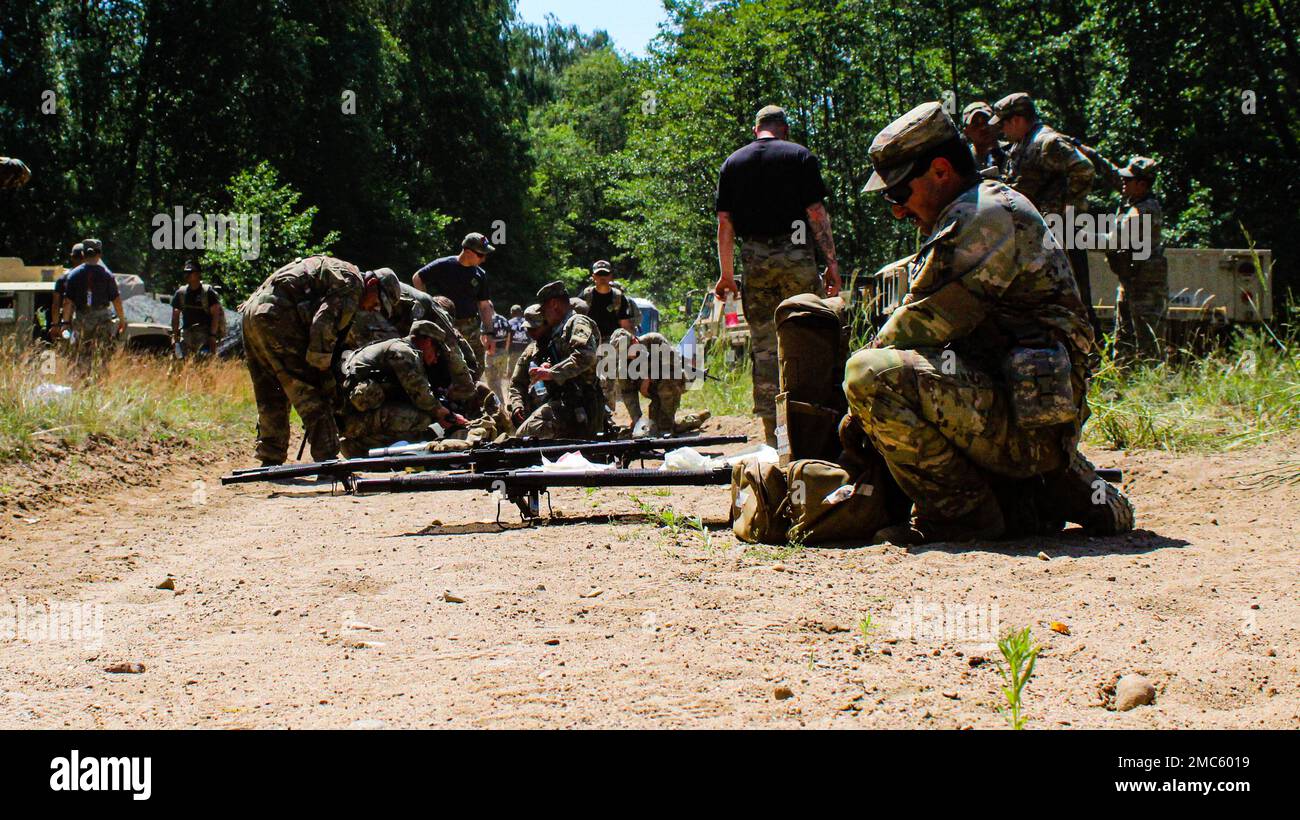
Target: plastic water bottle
(729, 316)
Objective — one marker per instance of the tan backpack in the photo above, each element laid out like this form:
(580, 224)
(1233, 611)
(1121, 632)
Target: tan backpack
(812, 347)
(827, 504)
(758, 503)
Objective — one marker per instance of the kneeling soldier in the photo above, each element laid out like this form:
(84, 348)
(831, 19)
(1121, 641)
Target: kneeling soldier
(657, 371)
(574, 407)
(390, 389)
(981, 376)
(523, 396)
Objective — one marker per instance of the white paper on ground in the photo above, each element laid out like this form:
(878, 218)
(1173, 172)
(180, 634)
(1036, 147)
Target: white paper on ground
(684, 458)
(51, 392)
(574, 462)
(760, 453)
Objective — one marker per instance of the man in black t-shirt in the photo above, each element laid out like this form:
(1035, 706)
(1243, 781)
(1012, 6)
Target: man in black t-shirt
(770, 196)
(462, 280)
(196, 308)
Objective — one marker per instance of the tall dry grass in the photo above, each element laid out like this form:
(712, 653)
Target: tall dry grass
(137, 396)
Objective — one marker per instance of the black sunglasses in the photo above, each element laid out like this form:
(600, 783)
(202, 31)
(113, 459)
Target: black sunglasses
(899, 193)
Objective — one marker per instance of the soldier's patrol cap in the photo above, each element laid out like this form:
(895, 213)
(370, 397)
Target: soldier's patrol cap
(191, 265)
(769, 113)
(1140, 168)
(390, 288)
(1012, 104)
(78, 249)
(515, 309)
(978, 107)
(904, 141)
(533, 316)
(552, 290)
(92, 246)
(426, 328)
(602, 265)
(478, 243)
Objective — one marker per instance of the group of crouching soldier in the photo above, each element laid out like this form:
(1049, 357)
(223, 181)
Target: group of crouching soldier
(368, 361)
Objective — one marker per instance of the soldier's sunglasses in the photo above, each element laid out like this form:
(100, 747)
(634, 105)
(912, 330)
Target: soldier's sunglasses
(898, 194)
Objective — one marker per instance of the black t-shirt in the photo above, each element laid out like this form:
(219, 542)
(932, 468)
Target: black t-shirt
(90, 285)
(767, 185)
(195, 305)
(465, 287)
(602, 312)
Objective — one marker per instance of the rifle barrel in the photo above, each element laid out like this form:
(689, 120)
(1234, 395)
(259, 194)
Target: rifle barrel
(524, 480)
(489, 456)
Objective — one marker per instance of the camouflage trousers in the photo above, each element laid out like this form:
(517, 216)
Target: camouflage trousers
(1140, 311)
(275, 348)
(95, 336)
(625, 389)
(560, 418)
(665, 399)
(498, 371)
(943, 427)
(195, 339)
(471, 330)
(391, 422)
(775, 270)
(485, 413)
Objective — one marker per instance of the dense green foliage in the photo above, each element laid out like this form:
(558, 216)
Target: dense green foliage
(466, 119)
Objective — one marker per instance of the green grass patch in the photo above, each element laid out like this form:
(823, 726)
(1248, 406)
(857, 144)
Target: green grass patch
(1241, 394)
(136, 398)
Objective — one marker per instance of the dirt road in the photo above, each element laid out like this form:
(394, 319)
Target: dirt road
(294, 608)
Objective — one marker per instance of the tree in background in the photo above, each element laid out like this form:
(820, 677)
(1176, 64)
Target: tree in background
(284, 233)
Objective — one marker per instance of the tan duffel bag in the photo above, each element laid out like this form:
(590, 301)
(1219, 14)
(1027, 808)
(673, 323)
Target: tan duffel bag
(758, 503)
(827, 504)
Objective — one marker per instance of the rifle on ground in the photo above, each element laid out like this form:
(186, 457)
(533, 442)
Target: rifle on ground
(524, 487)
(485, 457)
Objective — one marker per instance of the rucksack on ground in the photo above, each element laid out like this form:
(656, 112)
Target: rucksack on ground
(758, 502)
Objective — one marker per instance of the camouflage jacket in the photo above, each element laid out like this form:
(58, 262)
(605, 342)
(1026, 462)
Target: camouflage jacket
(414, 306)
(665, 364)
(989, 278)
(395, 365)
(1046, 167)
(1141, 222)
(572, 348)
(323, 293)
(521, 388)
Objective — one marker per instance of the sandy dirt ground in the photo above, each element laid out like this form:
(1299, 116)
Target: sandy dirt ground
(296, 608)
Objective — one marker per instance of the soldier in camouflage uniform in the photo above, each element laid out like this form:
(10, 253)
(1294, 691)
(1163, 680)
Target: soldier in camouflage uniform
(14, 173)
(402, 307)
(655, 369)
(391, 388)
(1136, 252)
(770, 194)
(1048, 168)
(574, 407)
(292, 327)
(523, 397)
(989, 155)
(980, 377)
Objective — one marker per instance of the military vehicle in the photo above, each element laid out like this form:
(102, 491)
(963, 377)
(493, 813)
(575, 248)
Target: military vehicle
(26, 293)
(1210, 290)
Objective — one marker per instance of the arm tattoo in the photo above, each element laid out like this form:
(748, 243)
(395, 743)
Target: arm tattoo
(821, 225)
